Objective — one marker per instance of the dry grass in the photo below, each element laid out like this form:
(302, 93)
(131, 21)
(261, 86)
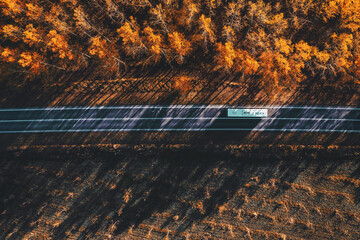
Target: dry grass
(145, 192)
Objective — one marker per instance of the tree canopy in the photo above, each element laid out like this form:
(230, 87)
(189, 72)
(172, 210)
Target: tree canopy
(278, 42)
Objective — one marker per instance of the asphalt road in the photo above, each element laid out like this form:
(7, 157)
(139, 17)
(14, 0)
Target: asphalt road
(178, 118)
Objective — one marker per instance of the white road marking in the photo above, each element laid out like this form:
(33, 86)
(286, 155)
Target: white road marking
(185, 129)
(172, 118)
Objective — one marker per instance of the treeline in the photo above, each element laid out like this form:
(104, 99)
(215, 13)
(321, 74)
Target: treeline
(277, 42)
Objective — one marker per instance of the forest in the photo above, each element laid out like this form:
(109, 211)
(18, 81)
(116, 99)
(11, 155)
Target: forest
(278, 43)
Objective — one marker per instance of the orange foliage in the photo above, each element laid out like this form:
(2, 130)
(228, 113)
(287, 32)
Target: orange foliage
(226, 55)
(98, 47)
(32, 35)
(12, 32)
(57, 43)
(190, 10)
(180, 45)
(246, 63)
(272, 40)
(228, 33)
(130, 37)
(80, 19)
(342, 45)
(159, 17)
(11, 7)
(206, 30)
(33, 11)
(8, 55)
(348, 10)
(304, 51)
(182, 84)
(106, 52)
(155, 42)
(33, 61)
(284, 46)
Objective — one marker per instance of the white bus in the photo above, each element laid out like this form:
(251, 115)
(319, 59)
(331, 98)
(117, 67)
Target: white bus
(247, 113)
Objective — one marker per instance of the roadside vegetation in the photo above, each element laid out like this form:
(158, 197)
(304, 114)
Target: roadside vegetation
(277, 43)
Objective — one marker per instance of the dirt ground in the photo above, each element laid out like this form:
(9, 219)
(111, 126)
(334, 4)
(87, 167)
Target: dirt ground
(157, 87)
(180, 192)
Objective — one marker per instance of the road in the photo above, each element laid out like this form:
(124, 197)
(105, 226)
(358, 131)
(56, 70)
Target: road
(178, 118)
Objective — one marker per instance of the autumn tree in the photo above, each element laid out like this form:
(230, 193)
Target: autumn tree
(233, 14)
(34, 11)
(107, 54)
(32, 61)
(347, 11)
(279, 43)
(245, 63)
(11, 7)
(32, 36)
(81, 20)
(159, 17)
(341, 48)
(189, 12)
(113, 11)
(12, 32)
(226, 55)
(182, 84)
(228, 34)
(131, 39)
(9, 55)
(155, 43)
(180, 46)
(54, 18)
(206, 31)
(59, 44)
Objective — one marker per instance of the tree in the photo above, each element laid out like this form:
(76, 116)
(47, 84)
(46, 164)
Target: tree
(33, 61)
(182, 84)
(32, 36)
(189, 12)
(179, 45)
(212, 5)
(53, 17)
(12, 32)
(341, 48)
(155, 42)
(159, 17)
(8, 55)
(58, 44)
(228, 34)
(98, 47)
(246, 63)
(279, 42)
(132, 42)
(81, 21)
(347, 10)
(206, 30)
(34, 11)
(284, 46)
(113, 11)
(226, 55)
(268, 69)
(107, 53)
(233, 13)
(11, 7)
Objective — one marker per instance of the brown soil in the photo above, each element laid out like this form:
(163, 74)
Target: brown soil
(180, 192)
(195, 139)
(157, 87)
